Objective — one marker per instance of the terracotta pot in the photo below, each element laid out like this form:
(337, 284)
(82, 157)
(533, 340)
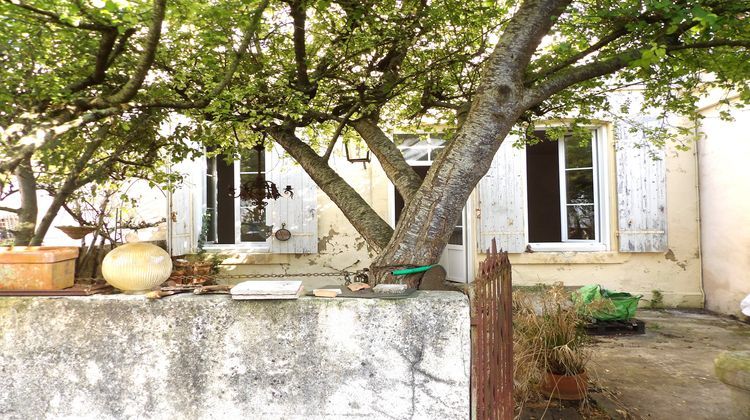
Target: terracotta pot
(37, 267)
(136, 267)
(565, 387)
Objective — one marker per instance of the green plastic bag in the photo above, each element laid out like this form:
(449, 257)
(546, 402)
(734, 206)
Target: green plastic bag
(623, 307)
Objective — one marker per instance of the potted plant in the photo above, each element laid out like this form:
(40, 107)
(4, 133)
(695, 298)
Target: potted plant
(549, 334)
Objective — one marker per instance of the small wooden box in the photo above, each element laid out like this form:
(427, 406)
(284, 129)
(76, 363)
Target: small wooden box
(37, 267)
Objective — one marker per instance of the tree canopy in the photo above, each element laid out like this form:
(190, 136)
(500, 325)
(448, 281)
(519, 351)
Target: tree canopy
(306, 73)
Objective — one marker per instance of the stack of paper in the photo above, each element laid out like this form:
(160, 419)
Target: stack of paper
(250, 290)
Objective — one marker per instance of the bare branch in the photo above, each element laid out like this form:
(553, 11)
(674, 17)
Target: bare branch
(338, 131)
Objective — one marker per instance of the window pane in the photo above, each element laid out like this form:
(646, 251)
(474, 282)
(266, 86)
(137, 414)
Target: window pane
(406, 139)
(248, 185)
(211, 228)
(457, 237)
(577, 153)
(253, 228)
(211, 165)
(581, 222)
(436, 140)
(543, 192)
(415, 154)
(580, 186)
(249, 161)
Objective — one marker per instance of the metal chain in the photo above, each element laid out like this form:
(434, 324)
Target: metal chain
(349, 276)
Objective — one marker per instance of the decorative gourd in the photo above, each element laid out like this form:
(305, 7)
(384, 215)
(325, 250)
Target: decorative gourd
(136, 267)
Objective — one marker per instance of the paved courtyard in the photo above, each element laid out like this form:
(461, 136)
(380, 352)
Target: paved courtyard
(668, 373)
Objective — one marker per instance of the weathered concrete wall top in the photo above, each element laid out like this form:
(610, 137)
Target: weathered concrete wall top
(120, 356)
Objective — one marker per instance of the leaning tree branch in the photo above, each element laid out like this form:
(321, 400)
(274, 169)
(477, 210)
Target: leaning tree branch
(27, 141)
(106, 45)
(368, 223)
(394, 165)
(603, 42)
(337, 133)
(578, 74)
(131, 87)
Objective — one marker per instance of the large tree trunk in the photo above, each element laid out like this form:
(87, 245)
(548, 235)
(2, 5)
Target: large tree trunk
(29, 209)
(428, 219)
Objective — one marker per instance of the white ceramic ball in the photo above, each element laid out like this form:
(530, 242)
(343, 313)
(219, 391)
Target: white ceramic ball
(136, 267)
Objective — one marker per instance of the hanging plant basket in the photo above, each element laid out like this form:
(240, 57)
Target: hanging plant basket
(77, 232)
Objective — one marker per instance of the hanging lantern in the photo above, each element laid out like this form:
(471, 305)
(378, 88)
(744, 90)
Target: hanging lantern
(357, 153)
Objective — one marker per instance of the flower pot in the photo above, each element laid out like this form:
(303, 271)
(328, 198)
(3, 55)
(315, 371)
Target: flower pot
(136, 267)
(565, 387)
(37, 267)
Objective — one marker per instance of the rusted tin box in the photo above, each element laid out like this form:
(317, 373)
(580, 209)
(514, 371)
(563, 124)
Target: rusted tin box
(37, 267)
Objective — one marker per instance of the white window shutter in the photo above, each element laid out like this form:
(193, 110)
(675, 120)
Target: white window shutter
(502, 198)
(185, 207)
(299, 215)
(641, 192)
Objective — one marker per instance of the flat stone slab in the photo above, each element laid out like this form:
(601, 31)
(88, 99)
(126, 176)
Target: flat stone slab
(121, 356)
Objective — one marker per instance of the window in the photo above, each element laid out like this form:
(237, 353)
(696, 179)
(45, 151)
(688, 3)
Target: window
(232, 219)
(252, 219)
(563, 191)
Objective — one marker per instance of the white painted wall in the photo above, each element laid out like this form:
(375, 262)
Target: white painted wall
(724, 156)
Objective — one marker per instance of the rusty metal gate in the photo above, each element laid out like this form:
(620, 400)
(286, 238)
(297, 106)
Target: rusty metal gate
(492, 350)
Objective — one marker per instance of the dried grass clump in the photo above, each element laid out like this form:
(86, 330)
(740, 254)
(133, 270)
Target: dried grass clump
(548, 336)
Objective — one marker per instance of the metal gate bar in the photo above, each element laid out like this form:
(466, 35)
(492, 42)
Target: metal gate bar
(492, 356)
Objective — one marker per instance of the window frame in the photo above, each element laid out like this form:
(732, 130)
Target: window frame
(600, 162)
(238, 245)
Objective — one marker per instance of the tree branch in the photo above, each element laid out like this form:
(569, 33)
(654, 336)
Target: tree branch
(106, 44)
(50, 17)
(390, 157)
(130, 89)
(606, 40)
(368, 223)
(250, 31)
(337, 133)
(299, 18)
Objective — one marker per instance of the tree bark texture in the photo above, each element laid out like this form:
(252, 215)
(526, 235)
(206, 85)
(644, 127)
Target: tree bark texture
(28, 211)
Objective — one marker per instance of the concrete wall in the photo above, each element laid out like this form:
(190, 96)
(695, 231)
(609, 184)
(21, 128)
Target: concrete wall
(196, 357)
(725, 208)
